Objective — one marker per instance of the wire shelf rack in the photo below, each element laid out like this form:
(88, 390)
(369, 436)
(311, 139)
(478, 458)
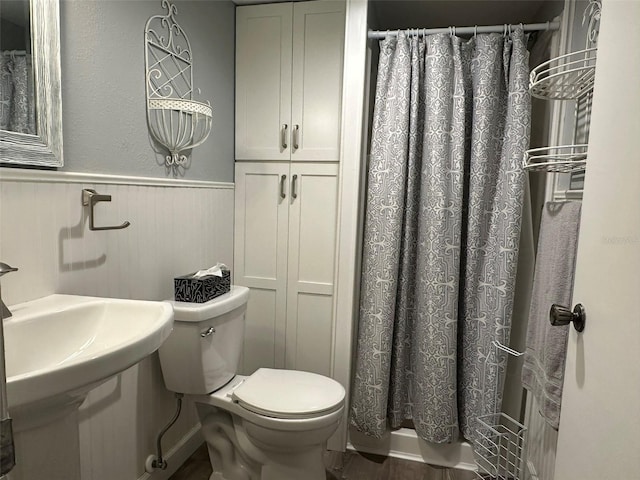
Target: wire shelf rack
(559, 159)
(566, 77)
(499, 446)
(499, 450)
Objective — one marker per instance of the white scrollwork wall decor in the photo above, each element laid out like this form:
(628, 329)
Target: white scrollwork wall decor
(175, 119)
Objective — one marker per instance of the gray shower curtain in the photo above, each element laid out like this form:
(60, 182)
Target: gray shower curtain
(442, 228)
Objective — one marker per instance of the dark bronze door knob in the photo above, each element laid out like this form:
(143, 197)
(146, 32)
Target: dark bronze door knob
(559, 315)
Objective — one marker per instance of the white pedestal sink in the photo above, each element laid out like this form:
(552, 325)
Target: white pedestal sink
(57, 349)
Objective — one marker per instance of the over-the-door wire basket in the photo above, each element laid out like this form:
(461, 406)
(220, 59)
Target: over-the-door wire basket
(499, 446)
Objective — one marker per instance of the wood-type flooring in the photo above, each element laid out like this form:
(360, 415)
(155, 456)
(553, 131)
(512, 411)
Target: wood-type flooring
(343, 466)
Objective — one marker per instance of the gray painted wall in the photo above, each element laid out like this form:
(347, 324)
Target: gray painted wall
(103, 91)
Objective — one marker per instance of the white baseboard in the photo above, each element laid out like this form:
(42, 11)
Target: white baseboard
(404, 443)
(175, 457)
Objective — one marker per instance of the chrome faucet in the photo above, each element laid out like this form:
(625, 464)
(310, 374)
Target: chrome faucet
(4, 269)
(7, 452)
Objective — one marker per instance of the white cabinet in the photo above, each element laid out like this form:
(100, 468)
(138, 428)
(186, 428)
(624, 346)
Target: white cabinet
(285, 230)
(289, 60)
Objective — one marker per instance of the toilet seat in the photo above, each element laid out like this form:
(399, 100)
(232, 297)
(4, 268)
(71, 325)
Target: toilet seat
(289, 394)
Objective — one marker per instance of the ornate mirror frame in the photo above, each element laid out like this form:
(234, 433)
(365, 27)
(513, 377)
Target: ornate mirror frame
(44, 148)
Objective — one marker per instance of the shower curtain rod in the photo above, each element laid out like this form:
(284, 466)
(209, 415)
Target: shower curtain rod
(14, 52)
(530, 27)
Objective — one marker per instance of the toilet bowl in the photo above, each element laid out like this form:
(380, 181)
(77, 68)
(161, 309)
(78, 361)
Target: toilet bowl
(271, 425)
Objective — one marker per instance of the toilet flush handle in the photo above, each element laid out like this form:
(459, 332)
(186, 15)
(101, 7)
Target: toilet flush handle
(208, 331)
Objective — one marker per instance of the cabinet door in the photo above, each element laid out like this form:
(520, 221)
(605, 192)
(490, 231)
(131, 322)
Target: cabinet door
(260, 259)
(312, 238)
(263, 82)
(318, 49)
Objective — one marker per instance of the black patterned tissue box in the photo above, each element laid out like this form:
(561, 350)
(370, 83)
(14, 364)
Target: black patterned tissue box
(203, 289)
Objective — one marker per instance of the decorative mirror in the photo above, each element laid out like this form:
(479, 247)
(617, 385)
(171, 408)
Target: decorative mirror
(30, 98)
(175, 119)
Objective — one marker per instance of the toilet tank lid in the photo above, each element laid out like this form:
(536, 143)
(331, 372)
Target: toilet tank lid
(198, 312)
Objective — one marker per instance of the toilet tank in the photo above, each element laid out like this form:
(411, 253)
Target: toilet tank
(202, 352)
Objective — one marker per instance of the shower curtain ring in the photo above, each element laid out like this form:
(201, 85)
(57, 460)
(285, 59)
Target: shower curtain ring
(475, 31)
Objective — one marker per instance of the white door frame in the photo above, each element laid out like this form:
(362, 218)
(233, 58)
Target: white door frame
(349, 201)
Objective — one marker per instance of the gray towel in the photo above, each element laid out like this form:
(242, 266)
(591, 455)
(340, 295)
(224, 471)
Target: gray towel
(544, 359)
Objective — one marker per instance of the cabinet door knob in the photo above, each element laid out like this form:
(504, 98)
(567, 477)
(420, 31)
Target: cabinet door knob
(283, 136)
(559, 315)
(283, 178)
(296, 133)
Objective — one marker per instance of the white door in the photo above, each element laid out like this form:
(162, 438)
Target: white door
(599, 431)
(318, 46)
(260, 259)
(312, 242)
(263, 82)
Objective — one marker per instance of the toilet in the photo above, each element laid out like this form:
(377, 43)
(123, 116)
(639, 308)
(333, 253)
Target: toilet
(271, 425)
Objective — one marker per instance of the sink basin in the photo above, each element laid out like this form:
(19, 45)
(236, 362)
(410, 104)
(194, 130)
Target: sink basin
(59, 347)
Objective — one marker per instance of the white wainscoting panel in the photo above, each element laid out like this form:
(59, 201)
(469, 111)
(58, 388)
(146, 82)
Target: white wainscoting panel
(176, 227)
